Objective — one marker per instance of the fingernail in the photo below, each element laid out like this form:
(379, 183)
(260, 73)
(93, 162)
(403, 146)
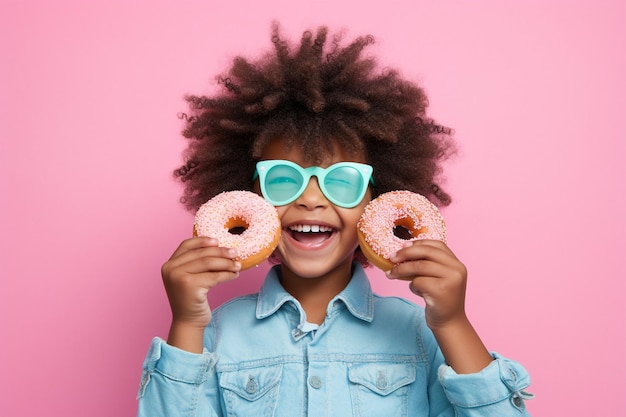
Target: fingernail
(237, 265)
(232, 253)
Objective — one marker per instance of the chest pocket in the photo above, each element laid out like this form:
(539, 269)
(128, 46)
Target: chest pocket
(251, 392)
(380, 389)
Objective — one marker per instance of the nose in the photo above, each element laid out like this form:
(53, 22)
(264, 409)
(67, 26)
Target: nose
(312, 196)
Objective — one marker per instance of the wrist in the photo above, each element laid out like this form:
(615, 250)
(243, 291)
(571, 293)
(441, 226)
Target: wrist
(186, 336)
(449, 324)
(461, 346)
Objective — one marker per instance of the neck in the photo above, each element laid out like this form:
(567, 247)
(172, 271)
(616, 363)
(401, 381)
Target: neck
(314, 294)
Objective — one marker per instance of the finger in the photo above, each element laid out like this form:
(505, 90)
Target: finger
(194, 243)
(211, 264)
(408, 271)
(423, 249)
(198, 265)
(443, 298)
(432, 290)
(209, 280)
(182, 282)
(421, 287)
(200, 261)
(416, 253)
(202, 252)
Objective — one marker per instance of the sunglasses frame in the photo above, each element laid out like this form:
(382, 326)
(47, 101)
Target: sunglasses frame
(263, 167)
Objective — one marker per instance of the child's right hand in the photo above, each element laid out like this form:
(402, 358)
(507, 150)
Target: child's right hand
(196, 266)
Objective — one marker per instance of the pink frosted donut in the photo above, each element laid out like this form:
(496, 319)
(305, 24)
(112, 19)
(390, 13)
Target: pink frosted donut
(241, 220)
(377, 225)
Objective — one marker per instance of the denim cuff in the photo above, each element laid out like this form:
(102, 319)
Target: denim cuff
(177, 364)
(501, 380)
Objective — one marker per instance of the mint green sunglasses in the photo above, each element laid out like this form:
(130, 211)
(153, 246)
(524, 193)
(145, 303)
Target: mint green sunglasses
(344, 184)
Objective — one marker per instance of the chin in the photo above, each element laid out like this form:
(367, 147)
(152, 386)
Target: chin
(314, 268)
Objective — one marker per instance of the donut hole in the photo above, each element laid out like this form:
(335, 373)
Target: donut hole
(404, 228)
(402, 232)
(237, 230)
(237, 226)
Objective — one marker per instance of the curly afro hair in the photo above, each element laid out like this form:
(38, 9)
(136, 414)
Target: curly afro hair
(311, 96)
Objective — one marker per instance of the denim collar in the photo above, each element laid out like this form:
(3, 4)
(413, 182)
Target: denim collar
(357, 296)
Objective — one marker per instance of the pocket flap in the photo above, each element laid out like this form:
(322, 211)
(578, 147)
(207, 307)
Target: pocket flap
(382, 378)
(251, 384)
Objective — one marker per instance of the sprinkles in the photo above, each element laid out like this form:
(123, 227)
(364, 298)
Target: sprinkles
(394, 209)
(241, 220)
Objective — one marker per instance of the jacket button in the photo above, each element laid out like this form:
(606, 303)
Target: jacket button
(381, 382)
(315, 382)
(251, 386)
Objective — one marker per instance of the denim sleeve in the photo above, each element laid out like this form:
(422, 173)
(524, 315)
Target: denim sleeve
(173, 383)
(497, 390)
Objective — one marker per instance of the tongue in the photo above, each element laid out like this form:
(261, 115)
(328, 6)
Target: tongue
(310, 238)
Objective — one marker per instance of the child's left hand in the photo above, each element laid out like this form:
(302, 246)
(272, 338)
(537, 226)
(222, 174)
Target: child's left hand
(436, 275)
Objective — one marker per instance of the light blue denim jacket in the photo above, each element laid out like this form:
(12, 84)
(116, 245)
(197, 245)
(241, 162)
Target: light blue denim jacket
(372, 356)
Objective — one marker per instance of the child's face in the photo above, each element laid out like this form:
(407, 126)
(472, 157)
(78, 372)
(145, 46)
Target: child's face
(319, 238)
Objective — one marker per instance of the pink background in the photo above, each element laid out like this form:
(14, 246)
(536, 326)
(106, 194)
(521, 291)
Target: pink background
(89, 93)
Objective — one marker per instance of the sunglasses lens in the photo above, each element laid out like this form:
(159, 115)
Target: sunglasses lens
(345, 184)
(282, 182)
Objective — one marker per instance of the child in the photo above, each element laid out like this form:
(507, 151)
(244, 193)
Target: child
(315, 340)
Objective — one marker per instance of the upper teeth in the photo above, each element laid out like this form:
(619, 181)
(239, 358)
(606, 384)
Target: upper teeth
(315, 228)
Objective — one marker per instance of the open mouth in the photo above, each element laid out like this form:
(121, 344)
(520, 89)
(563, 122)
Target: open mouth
(310, 233)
